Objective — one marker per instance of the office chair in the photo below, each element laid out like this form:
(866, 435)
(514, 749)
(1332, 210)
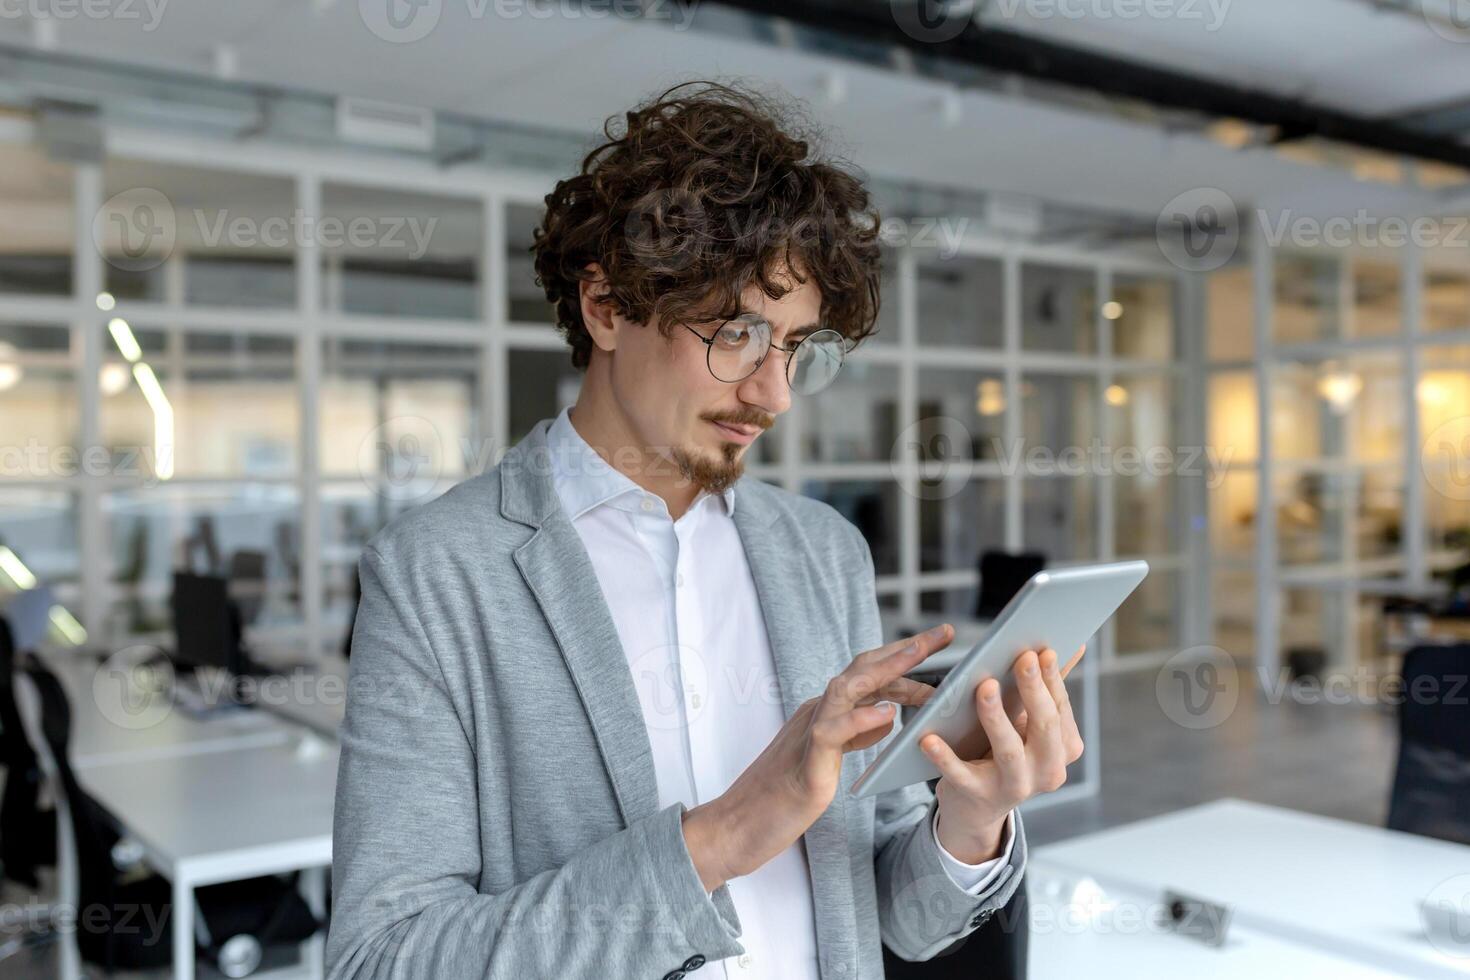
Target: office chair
(290, 557)
(1002, 575)
(998, 950)
(27, 833)
(1431, 785)
(247, 583)
(238, 918)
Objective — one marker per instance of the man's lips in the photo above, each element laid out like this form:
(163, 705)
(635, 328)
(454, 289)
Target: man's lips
(743, 434)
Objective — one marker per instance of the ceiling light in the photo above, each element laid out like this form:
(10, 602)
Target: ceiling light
(105, 302)
(1116, 395)
(122, 335)
(1112, 309)
(163, 420)
(990, 397)
(114, 379)
(10, 370)
(1340, 389)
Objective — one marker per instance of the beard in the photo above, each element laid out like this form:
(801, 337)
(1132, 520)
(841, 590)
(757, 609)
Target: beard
(711, 475)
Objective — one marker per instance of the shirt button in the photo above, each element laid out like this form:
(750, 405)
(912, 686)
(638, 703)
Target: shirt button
(648, 503)
(679, 579)
(744, 961)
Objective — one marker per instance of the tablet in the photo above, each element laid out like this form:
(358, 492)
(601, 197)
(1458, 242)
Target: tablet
(1058, 610)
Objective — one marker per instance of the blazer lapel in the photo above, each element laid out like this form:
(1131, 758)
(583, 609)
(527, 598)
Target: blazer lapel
(560, 575)
(784, 577)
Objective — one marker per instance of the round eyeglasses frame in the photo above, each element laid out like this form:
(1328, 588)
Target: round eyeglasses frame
(752, 320)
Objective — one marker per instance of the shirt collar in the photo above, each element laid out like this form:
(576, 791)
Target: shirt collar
(585, 481)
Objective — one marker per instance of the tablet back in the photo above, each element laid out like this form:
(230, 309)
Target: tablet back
(1060, 610)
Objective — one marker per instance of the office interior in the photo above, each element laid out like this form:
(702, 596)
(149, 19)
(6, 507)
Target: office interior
(1181, 282)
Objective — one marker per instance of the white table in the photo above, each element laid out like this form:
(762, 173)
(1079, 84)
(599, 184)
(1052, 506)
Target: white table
(318, 701)
(1081, 930)
(1340, 888)
(206, 818)
(111, 725)
(231, 795)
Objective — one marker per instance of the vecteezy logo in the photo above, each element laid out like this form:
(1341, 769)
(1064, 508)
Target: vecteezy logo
(1198, 231)
(664, 228)
(673, 685)
(932, 21)
(1198, 688)
(942, 447)
(136, 230)
(1450, 19)
(402, 458)
(133, 689)
(1446, 458)
(401, 21)
(1446, 914)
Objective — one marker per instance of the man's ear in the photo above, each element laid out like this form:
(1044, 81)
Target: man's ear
(597, 313)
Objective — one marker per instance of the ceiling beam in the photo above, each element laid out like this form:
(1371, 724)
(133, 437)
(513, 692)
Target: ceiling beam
(1015, 53)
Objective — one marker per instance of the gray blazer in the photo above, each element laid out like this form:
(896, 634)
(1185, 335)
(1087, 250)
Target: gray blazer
(497, 813)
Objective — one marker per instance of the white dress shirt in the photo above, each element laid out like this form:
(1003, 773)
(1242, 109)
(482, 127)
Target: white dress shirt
(685, 607)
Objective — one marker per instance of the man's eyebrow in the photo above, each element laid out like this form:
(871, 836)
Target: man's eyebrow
(802, 331)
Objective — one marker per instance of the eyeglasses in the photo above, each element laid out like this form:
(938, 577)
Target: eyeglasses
(739, 348)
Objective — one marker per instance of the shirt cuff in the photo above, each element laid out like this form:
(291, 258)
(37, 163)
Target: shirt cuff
(975, 878)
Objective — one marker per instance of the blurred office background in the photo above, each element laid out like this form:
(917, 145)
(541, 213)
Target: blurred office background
(264, 285)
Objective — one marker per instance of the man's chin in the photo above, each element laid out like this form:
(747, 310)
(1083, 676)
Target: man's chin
(712, 471)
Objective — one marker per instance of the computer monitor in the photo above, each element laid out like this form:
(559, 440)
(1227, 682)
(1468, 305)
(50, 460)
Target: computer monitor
(206, 624)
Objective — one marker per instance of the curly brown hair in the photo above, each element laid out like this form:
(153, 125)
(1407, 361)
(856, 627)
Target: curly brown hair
(707, 189)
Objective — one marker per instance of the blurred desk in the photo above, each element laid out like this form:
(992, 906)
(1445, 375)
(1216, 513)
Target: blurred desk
(230, 795)
(320, 703)
(110, 725)
(225, 816)
(1341, 888)
(1082, 928)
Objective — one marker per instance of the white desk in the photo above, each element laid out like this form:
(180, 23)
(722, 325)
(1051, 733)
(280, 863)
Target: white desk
(1112, 934)
(1337, 887)
(317, 701)
(110, 725)
(223, 816)
(212, 799)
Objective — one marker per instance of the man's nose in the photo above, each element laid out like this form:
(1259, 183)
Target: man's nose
(767, 389)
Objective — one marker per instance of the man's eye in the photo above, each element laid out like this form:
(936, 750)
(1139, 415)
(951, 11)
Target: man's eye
(733, 336)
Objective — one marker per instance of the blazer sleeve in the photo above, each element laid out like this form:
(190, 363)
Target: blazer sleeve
(922, 910)
(407, 846)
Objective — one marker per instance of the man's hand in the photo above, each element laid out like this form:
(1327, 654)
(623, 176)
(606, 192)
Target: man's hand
(1025, 759)
(794, 779)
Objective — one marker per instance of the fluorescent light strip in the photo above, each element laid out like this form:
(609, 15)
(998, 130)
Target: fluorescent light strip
(22, 577)
(66, 624)
(163, 420)
(15, 569)
(122, 335)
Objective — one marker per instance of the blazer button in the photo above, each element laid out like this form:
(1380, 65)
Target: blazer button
(693, 963)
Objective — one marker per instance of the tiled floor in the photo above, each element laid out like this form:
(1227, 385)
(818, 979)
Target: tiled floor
(1331, 759)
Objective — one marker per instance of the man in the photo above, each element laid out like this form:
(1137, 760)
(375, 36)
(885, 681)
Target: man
(608, 699)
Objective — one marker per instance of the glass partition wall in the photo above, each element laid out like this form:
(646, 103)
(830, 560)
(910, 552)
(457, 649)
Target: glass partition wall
(1358, 359)
(271, 359)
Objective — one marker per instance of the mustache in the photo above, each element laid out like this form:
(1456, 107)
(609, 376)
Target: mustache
(751, 416)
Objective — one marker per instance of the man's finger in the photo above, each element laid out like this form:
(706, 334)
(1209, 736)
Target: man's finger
(950, 766)
(1071, 737)
(990, 708)
(868, 674)
(1041, 710)
(905, 690)
(1076, 658)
